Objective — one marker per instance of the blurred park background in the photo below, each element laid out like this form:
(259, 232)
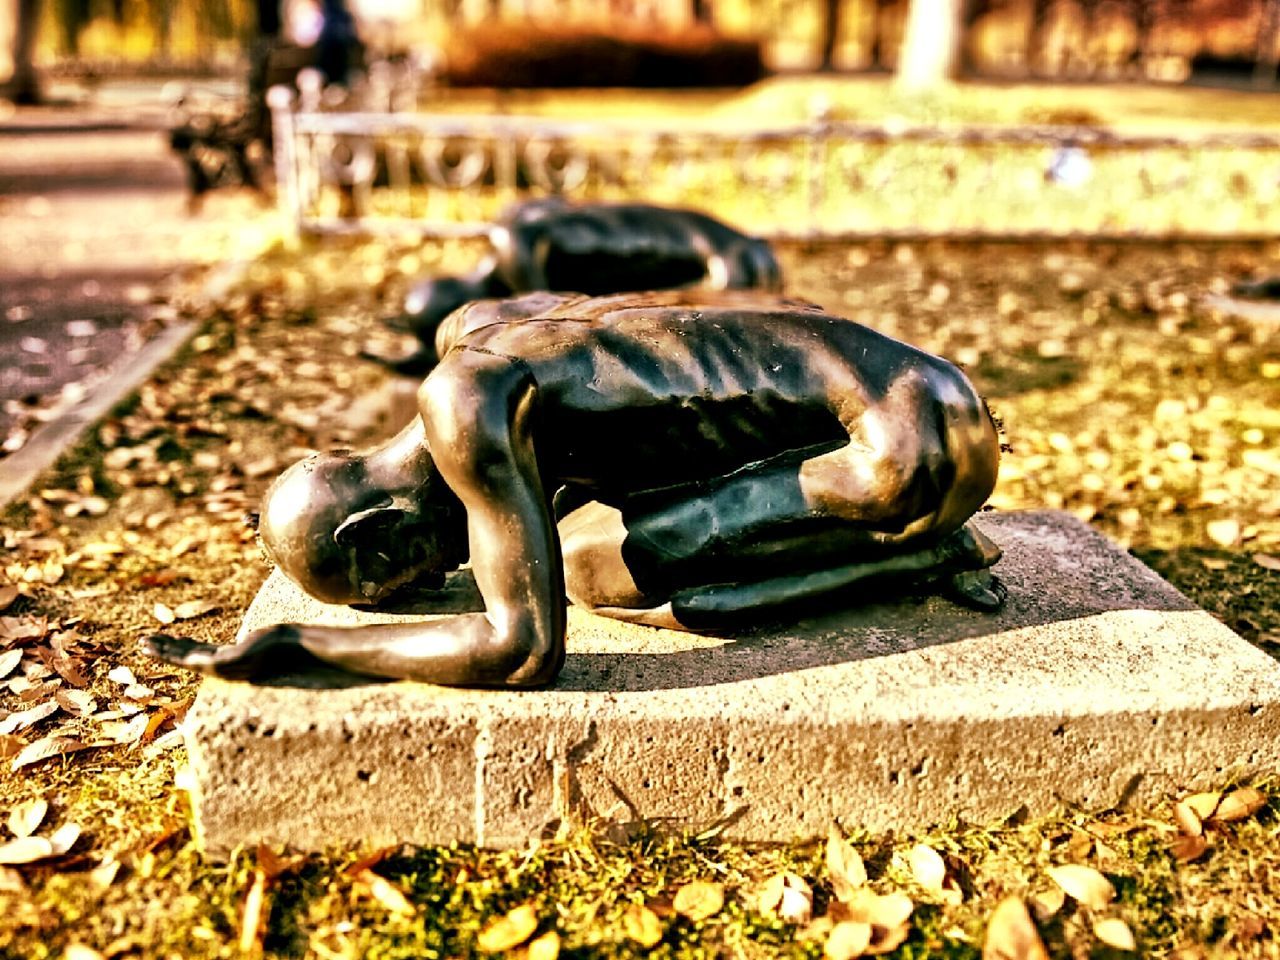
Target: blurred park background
(1062, 196)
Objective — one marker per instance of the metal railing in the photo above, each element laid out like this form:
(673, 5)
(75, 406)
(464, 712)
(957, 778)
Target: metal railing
(361, 171)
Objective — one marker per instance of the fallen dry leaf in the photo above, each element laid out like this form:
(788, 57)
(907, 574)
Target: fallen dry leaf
(1188, 848)
(125, 732)
(8, 594)
(9, 661)
(46, 747)
(1114, 932)
(642, 925)
(78, 703)
(545, 947)
(848, 939)
(1239, 804)
(123, 676)
(25, 819)
(64, 838)
(10, 745)
(1187, 819)
(1083, 884)
(386, 893)
(699, 900)
(1201, 804)
(193, 608)
(104, 874)
(1045, 903)
(22, 719)
(844, 864)
(1225, 533)
(509, 931)
(1267, 561)
(163, 613)
(927, 866)
(78, 951)
(252, 916)
(1011, 934)
(25, 850)
(788, 897)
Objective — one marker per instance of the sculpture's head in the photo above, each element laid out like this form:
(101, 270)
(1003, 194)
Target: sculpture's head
(430, 301)
(346, 535)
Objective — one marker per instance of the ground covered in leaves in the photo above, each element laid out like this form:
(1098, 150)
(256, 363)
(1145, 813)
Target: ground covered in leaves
(1126, 398)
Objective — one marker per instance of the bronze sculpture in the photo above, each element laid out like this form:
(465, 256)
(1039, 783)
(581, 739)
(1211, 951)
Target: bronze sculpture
(593, 248)
(711, 458)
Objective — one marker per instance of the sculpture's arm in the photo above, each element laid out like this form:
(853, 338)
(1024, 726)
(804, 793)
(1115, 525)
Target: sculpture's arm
(478, 416)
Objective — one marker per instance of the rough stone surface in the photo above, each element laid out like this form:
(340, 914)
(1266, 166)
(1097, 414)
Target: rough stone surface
(1099, 684)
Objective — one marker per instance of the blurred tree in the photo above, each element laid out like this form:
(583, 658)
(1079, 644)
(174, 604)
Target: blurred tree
(830, 31)
(931, 43)
(24, 85)
(72, 16)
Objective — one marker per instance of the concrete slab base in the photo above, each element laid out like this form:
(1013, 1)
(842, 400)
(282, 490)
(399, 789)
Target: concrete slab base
(1099, 684)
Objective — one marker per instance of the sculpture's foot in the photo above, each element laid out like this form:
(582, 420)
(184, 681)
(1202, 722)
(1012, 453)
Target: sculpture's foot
(977, 589)
(417, 364)
(968, 554)
(264, 651)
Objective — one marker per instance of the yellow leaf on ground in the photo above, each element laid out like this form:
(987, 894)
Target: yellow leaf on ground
(788, 897)
(1011, 934)
(1187, 819)
(509, 931)
(192, 609)
(252, 916)
(163, 613)
(25, 850)
(1045, 903)
(845, 866)
(9, 661)
(1114, 932)
(1239, 804)
(387, 893)
(123, 676)
(26, 818)
(1188, 848)
(1225, 533)
(78, 951)
(848, 939)
(46, 747)
(1083, 884)
(642, 925)
(64, 838)
(545, 947)
(927, 867)
(699, 900)
(1202, 804)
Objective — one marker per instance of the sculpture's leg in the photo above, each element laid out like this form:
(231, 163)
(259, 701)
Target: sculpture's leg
(691, 583)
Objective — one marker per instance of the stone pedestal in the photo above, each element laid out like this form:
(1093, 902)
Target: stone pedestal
(1098, 684)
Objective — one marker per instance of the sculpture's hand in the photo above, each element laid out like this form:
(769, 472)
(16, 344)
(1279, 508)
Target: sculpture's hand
(263, 651)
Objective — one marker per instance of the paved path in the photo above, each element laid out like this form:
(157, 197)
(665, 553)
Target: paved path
(93, 227)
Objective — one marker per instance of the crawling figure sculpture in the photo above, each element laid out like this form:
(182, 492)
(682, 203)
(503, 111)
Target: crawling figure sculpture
(713, 459)
(593, 248)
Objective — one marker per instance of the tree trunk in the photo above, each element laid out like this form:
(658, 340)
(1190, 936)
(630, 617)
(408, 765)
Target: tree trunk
(1264, 73)
(24, 85)
(830, 32)
(931, 43)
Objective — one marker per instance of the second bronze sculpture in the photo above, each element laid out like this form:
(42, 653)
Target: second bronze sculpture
(591, 248)
(682, 459)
